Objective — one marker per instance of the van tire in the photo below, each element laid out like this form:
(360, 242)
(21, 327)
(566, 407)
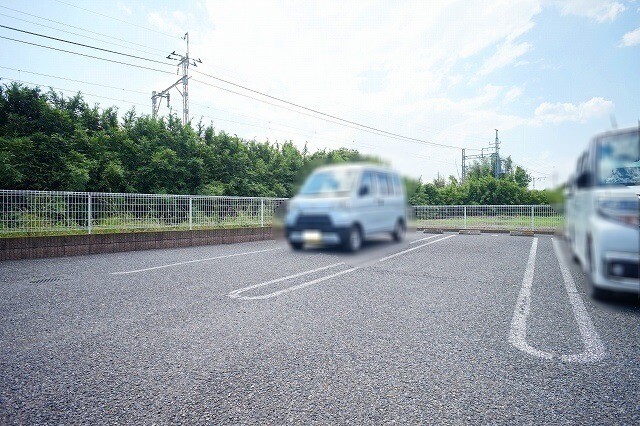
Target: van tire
(399, 231)
(295, 245)
(353, 240)
(600, 293)
(575, 258)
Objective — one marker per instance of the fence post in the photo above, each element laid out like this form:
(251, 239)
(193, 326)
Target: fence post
(262, 212)
(190, 213)
(89, 213)
(532, 228)
(465, 217)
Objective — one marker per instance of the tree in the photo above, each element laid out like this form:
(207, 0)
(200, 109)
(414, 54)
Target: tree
(521, 177)
(52, 142)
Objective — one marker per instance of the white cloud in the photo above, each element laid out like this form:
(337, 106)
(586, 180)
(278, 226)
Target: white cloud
(168, 23)
(506, 54)
(124, 8)
(556, 113)
(319, 54)
(179, 16)
(598, 10)
(631, 38)
(512, 95)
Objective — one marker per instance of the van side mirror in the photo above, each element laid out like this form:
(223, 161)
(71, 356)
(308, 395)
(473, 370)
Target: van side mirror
(584, 180)
(364, 190)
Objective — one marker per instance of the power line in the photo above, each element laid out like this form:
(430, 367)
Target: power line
(73, 80)
(303, 113)
(218, 87)
(87, 56)
(193, 103)
(323, 113)
(77, 34)
(353, 143)
(85, 45)
(116, 19)
(349, 123)
(79, 28)
(144, 93)
(72, 91)
(291, 109)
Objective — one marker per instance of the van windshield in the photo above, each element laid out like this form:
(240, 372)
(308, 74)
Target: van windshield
(619, 159)
(329, 183)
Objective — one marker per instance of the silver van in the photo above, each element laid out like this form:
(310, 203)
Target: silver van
(346, 204)
(603, 212)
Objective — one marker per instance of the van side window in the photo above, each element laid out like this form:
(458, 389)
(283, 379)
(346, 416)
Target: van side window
(397, 185)
(384, 184)
(367, 180)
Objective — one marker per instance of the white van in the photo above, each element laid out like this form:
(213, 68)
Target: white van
(603, 209)
(345, 204)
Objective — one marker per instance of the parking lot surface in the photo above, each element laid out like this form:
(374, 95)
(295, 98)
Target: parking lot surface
(456, 329)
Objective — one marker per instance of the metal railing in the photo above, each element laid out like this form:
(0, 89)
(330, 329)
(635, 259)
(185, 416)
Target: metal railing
(498, 217)
(44, 212)
(49, 212)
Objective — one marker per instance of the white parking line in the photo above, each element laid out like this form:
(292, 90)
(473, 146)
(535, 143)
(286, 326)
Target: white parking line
(235, 294)
(593, 347)
(414, 248)
(594, 350)
(422, 239)
(292, 288)
(518, 334)
(193, 261)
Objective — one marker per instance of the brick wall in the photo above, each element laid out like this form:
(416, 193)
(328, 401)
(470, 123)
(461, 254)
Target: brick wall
(73, 245)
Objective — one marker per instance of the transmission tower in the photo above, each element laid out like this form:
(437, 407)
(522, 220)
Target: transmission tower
(183, 65)
(484, 153)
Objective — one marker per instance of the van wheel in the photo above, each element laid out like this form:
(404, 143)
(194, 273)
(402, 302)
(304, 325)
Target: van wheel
(575, 259)
(599, 293)
(353, 242)
(399, 231)
(296, 245)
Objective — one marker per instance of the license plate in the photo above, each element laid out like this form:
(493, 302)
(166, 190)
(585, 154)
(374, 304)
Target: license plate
(312, 236)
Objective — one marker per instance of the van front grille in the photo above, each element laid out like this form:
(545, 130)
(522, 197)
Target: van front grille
(313, 222)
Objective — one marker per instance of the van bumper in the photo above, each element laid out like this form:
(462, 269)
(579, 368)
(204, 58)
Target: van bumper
(616, 256)
(325, 235)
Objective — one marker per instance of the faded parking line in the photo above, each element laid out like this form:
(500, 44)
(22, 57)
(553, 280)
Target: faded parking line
(422, 239)
(193, 261)
(236, 294)
(413, 248)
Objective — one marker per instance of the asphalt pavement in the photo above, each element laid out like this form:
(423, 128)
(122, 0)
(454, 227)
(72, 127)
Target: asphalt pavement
(439, 329)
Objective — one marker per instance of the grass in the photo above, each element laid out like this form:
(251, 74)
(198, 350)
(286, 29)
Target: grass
(114, 225)
(496, 222)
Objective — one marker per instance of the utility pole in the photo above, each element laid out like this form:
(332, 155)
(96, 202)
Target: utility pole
(464, 166)
(497, 154)
(183, 64)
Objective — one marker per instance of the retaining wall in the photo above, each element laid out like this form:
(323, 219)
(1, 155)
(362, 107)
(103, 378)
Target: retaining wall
(73, 245)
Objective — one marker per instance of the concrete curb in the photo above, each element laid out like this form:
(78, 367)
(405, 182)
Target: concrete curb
(73, 245)
(488, 231)
(521, 233)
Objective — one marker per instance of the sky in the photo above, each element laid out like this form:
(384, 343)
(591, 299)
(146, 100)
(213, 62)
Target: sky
(547, 74)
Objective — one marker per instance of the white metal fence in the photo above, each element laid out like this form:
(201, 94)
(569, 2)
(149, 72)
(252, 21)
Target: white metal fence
(48, 212)
(499, 217)
(41, 212)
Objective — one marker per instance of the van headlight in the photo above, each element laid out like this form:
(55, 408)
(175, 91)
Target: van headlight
(621, 209)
